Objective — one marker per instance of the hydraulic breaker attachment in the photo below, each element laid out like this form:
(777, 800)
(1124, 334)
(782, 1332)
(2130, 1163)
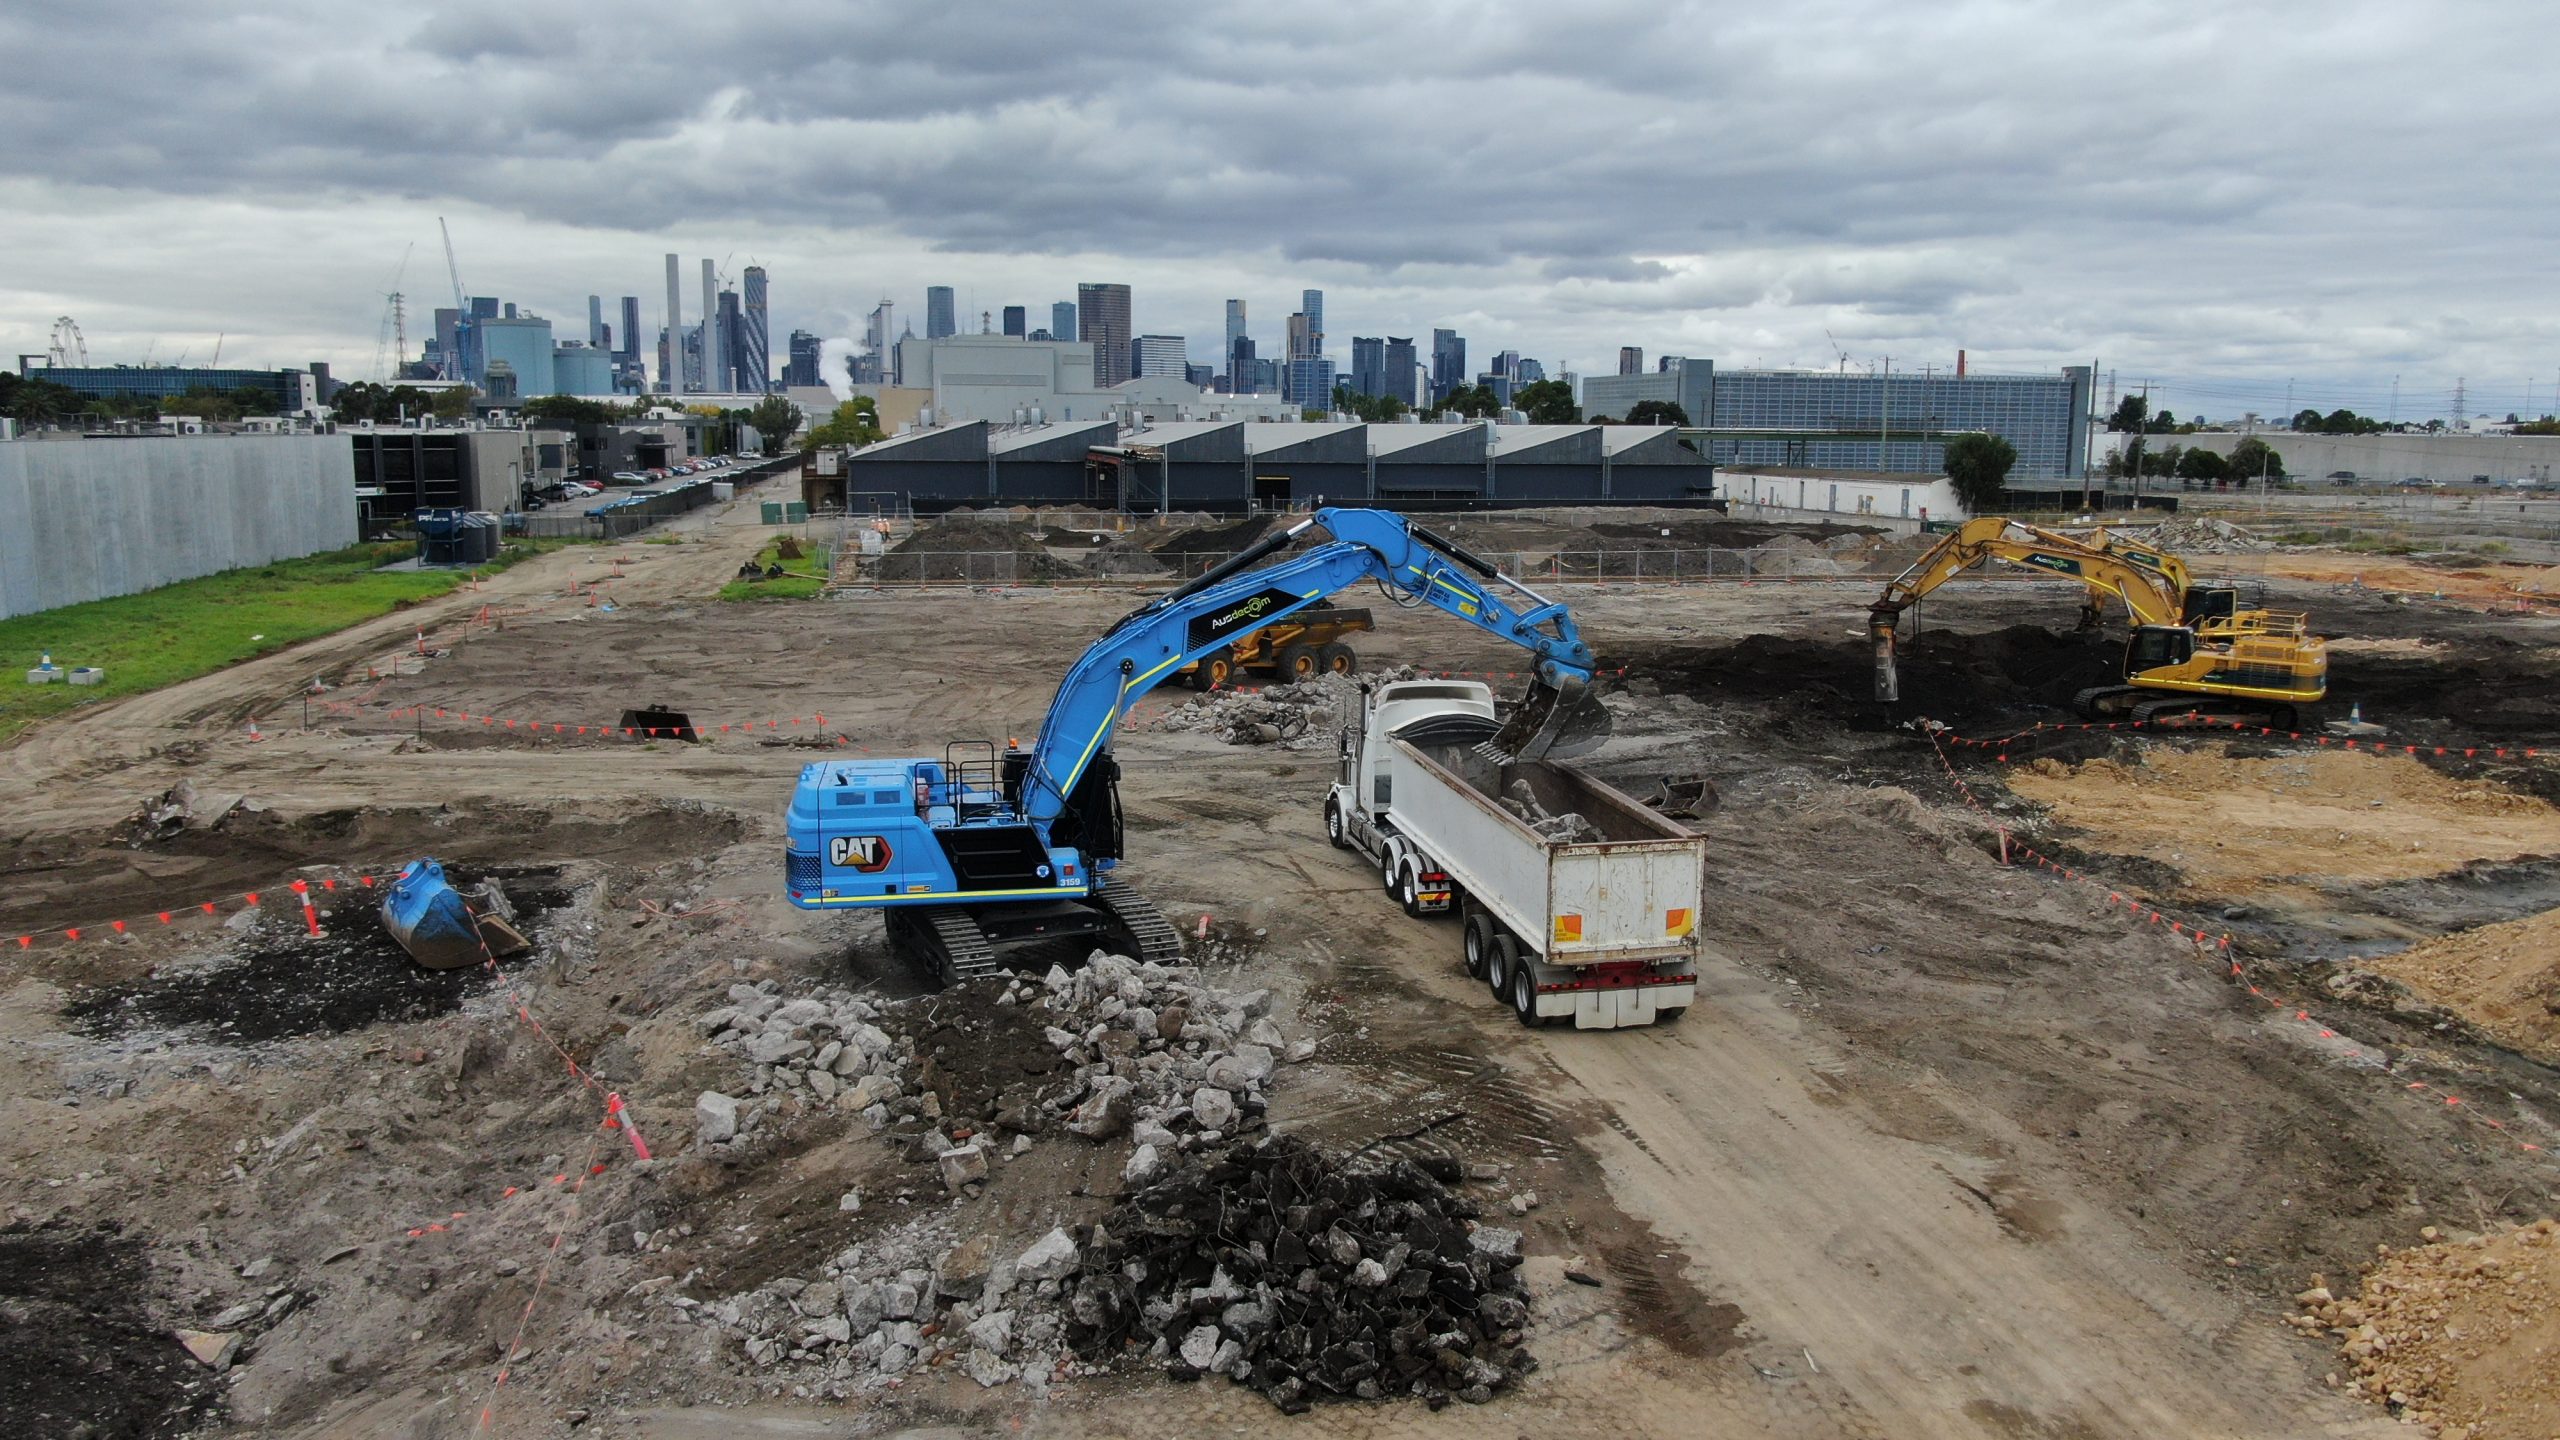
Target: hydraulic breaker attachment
(1880, 628)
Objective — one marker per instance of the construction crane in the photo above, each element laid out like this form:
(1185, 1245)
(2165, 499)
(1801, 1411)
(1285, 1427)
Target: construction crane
(69, 348)
(461, 305)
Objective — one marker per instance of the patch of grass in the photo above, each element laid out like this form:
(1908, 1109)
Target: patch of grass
(194, 627)
(800, 585)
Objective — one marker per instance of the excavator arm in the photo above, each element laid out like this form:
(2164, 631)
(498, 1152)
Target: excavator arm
(1235, 599)
(2151, 585)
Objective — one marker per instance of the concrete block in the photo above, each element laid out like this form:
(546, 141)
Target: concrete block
(88, 675)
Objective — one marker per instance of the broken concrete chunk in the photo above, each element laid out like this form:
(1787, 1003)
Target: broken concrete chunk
(962, 1275)
(992, 1331)
(1106, 1111)
(214, 1348)
(1265, 1034)
(1214, 1108)
(962, 1167)
(987, 1368)
(1249, 1066)
(1494, 1240)
(1301, 1051)
(1052, 1257)
(1145, 1164)
(1524, 1202)
(1200, 1347)
(868, 1091)
(715, 1117)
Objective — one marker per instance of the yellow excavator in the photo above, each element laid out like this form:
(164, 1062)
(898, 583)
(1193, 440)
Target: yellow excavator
(2193, 651)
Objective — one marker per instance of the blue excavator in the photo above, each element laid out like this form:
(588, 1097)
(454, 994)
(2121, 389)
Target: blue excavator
(984, 850)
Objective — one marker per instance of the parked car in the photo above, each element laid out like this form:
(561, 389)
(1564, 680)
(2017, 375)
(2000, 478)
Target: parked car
(629, 477)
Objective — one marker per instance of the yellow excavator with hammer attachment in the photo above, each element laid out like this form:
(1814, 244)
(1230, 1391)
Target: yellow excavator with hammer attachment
(2194, 650)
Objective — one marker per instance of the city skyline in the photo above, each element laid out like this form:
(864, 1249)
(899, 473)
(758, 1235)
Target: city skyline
(1884, 195)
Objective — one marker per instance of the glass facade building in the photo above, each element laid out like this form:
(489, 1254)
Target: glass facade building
(2045, 416)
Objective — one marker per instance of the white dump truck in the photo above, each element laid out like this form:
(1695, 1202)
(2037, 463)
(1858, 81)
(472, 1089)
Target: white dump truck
(1575, 901)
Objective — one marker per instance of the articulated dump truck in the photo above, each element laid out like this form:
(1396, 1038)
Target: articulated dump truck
(1574, 901)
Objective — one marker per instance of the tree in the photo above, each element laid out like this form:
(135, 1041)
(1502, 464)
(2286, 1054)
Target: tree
(1661, 412)
(1376, 409)
(1979, 464)
(571, 410)
(2132, 413)
(856, 422)
(453, 403)
(2253, 458)
(2198, 463)
(1548, 402)
(776, 419)
(2162, 464)
(1472, 401)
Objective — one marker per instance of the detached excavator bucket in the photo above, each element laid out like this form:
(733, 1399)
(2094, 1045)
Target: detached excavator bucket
(659, 722)
(1555, 723)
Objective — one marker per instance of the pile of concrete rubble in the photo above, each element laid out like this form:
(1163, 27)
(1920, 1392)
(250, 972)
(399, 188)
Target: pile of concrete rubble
(1142, 1051)
(2198, 535)
(1285, 1270)
(1568, 828)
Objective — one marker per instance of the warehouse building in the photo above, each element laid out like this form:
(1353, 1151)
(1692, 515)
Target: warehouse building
(1857, 421)
(1227, 465)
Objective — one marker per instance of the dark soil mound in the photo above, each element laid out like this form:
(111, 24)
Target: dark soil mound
(972, 550)
(2483, 688)
(2023, 672)
(982, 1059)
(1717, 534)
(78, 1355)
(1196, 550)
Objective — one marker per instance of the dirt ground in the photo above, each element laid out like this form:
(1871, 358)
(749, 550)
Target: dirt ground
(1944, 1148)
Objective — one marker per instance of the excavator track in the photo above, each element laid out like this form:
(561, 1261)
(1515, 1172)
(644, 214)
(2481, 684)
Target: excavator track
(945, 942)
(1156, 937)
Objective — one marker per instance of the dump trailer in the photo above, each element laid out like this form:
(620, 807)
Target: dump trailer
(1574, 901)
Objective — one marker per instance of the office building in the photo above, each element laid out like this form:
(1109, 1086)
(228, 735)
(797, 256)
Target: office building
(1898, 423)
(1157, 355)
(1301, 336)
(1102, 321)
(1235, 327)
(1311, 305)
(295, 391)
(581, 370)
(448, 343)
(755, 337)
(1017, 322)
(1000, 379)
(731, 332)
(629, 349)
(1242, 371)
(1062, 321)
(595, 321)
(941, 317)
(1448, 362)
(1368, 365)
(1529, 372)
(1308, 383)
(1630, 359)
(1266, 376)
(522, 344)
(802, 367)
(1398, 368)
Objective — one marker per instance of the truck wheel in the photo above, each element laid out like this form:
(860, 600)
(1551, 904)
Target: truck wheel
(1666, 1014)
(1334, 830)
(1497, 970)
(1524, 996)
(1387, 870)
(1338, 659)
(1217, 669)
(1296, 662)
(1409, 891)
(1478, 947)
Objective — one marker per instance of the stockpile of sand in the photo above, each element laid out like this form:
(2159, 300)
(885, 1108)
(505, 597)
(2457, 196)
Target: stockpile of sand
(2503, 978)
(2457, 1338)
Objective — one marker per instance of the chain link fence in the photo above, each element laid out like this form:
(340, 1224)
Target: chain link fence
(1033, 566)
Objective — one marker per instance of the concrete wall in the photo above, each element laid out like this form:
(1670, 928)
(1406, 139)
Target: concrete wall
(88, 519)
(2390, 459)
(1906, 497)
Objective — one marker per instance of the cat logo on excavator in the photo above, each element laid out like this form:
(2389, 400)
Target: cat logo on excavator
(866, 853)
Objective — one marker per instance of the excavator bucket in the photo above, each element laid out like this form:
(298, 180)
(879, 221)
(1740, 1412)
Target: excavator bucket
(1555, 723)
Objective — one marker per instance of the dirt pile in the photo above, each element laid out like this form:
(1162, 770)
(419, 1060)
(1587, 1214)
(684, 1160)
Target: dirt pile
(2237, 824)
(961, 548)
(2473, 688)
(2455, 1338)
(1291, 1273)
(79, 1355)
(2196, 535)
(1196, 550)
(2505, 979)
(2022, 672)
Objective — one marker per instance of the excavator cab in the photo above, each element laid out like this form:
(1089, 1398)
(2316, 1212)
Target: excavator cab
(2157, 647)
(2207, 603)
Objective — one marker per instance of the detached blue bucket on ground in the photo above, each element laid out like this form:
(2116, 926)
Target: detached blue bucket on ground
(429, 919)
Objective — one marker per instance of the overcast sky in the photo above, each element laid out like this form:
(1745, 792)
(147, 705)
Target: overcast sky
(2221, 199)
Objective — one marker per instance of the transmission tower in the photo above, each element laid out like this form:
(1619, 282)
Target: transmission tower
(2461, 407)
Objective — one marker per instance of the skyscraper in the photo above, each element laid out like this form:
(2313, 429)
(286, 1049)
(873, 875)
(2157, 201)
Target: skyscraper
(802, 369)
(630, 346)
(1243, 374)
(1448, 362)
(755, 337)
(729, 375)
(875, 365)
(671, 356)
(1399, 364)
(595, 321)
(1368, 365)
(1062, 321)
(1159, 355)
(712, 372)
(1630, 360)
(1302, 343)
(940, 317)
(1102, 320)
(1311, 303)
(1016, 321)
(1235, 326)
